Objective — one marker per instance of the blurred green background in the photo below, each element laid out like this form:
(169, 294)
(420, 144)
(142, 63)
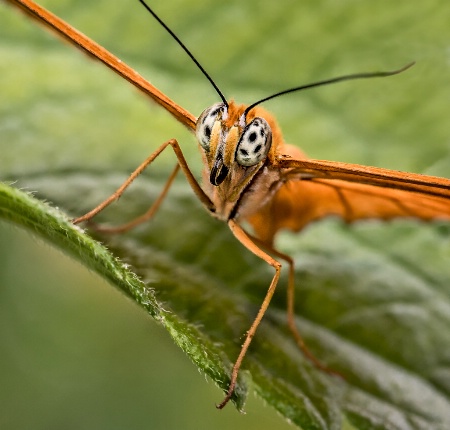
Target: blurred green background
(75, 353)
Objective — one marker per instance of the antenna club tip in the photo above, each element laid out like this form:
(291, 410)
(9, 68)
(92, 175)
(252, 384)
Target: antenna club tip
(407, 66)
(397, 71)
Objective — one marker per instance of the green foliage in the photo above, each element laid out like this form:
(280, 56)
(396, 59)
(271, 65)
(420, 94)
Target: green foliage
(373, 298)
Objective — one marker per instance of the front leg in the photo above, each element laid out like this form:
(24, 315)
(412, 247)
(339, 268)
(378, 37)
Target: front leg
(181, 163)
(248, 242)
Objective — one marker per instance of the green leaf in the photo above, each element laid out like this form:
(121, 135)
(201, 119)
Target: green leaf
(373, 298)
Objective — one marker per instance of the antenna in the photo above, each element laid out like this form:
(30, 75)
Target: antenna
(290, 90)
(331, 81)
(191, 56)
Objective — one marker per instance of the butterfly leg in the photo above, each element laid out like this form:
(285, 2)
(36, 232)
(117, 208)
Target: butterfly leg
(291, 319)
(145, 216)
(247, 241)
(181, 163)
(291, 307)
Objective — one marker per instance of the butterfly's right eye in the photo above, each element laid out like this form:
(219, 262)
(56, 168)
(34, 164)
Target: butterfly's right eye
(206, 122)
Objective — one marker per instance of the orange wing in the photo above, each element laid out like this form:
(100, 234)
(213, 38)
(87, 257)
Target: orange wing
(315, 189)
(321, 169)
(93, 49)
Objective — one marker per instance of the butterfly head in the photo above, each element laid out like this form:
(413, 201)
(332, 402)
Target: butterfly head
(232, 137)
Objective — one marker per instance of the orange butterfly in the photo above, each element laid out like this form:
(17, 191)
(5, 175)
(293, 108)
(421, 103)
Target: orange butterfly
(251, 175)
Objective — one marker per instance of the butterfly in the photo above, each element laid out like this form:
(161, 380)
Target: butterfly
(251, 175)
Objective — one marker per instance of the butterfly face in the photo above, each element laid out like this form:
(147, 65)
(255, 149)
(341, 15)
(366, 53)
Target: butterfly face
(227, 138)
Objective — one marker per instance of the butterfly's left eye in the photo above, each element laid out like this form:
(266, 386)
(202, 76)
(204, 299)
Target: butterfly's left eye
(254, 143)
(206, 122)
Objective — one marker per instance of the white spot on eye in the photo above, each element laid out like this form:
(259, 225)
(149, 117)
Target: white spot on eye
(206, 122)
(254, 143)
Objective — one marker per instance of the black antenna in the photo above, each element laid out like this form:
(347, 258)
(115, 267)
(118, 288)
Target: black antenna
(186, 50)
(331, 81)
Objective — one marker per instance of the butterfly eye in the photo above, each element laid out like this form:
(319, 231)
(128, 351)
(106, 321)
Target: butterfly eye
(254, 143)
(206, 122)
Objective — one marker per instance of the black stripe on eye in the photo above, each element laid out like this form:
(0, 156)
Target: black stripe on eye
(215, 112)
